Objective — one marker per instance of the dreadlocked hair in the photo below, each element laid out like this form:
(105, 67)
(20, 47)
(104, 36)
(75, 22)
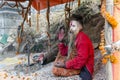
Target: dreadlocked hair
(77, 17)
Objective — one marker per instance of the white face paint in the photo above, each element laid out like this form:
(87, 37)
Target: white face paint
(75, 27)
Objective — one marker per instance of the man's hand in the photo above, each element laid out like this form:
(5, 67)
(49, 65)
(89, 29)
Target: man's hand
(41, 56)
(60, 64)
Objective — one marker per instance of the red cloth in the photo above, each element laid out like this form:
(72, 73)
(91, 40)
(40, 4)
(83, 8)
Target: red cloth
(63, 49)
(85, 54)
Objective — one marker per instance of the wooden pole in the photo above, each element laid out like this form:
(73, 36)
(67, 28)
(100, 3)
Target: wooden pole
(108, 38)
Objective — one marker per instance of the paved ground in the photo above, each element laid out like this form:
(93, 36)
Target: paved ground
(36, 73)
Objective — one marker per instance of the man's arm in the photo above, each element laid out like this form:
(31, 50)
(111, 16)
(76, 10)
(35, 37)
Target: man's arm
(79, 61)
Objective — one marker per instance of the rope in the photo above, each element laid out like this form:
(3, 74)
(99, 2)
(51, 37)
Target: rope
(28, 8)
(38, 5)
(48, 17)
(11, 5)
(22, 6)
(78, 3)
(1, 5)
(47, 13)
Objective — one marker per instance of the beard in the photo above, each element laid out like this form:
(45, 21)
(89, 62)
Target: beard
(70, 32)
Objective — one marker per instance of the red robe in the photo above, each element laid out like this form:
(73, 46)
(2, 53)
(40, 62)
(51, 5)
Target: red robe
(85, 53)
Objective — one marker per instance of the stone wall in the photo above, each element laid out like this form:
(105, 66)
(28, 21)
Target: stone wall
(9, 22)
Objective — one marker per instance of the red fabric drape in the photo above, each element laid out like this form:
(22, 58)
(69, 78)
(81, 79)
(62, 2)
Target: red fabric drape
(43, 3)
(16, 0)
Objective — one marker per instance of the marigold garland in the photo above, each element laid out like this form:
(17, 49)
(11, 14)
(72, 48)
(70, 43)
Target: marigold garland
(116, 1)
(102, 43)
(113, 59)
(111, 20)
(109, 57)
(106, 57)
(103, 7)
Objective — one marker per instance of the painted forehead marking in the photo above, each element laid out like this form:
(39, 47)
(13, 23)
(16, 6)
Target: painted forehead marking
(71, 23)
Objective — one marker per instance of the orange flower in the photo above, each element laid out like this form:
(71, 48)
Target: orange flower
(104, 61)
(113, 59)
(103, 51)
(101, 47)
(102, 40)
(107, 57)
(111, 20)
(102, 44)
